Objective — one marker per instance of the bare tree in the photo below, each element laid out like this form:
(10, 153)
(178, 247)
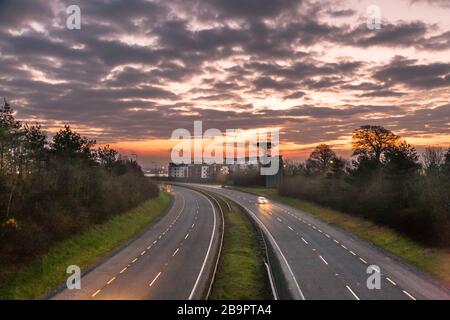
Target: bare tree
(321, 159)
(433, 158)
(372, 142)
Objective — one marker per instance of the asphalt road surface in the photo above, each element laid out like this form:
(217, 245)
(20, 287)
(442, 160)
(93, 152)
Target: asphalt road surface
(321, 261)
(173, 259)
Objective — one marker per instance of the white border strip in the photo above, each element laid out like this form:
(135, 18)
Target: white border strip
(207, 253)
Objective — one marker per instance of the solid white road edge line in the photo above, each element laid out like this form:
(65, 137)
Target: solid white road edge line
(207, 253)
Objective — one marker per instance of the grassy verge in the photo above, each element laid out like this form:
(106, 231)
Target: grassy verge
(432, 260)
(47, 272)
(241, 274)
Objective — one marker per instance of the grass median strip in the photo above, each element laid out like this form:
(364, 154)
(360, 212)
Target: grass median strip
(432, 260)
(241, 274)
(47, 272)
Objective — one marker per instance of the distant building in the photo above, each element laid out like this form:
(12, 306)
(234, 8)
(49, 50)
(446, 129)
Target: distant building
(203, 172)
(189, 171)
(178, 171)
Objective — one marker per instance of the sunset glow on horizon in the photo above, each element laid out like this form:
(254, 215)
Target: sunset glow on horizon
(135, 72)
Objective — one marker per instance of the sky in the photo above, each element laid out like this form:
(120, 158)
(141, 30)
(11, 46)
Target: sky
(137, 70)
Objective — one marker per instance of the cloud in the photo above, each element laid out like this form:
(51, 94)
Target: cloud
(269, 83)
(253, 8)
(341, 13)
(411, 74)
(442, 3)
(383, 93)
(295, 95)
(19, 13)
(139, 69)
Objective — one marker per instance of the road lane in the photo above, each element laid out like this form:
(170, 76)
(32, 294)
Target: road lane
(171, 260)
(329, 263)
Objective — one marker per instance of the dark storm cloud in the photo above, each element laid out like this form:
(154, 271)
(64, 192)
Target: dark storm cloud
(341, 13)
(363, 86)
(269, 83)
(305, 70)
(295, 95)
(326, 112)
(400, 34)
(253, 8)
(419, 76)
(220, 97)
(323, 83)
(32, 45)
(124, 13)
(105, 77)
(383, 93)
(19, 13)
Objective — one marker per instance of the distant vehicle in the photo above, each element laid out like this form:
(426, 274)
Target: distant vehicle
(167, 187)
(262, 200)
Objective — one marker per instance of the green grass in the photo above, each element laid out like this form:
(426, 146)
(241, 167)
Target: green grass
(47, 272)
(432, 260)
(241, 274)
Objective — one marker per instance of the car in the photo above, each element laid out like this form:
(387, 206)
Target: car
(262, 200)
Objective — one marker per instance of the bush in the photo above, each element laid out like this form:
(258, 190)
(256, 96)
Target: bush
(406, 205)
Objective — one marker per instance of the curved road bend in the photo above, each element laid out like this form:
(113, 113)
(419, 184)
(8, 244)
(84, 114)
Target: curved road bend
(324, 262)
(173, 259)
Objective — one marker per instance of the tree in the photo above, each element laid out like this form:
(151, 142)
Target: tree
(10, 132)
(446, 164)
(70, 144)
(402, 159)
(371, 142)
(292, 169)
(337, 166)
(433, 159)
(107, 157)
(321, 159)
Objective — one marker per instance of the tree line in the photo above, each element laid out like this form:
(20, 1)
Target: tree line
(386, 181)
(51, 188)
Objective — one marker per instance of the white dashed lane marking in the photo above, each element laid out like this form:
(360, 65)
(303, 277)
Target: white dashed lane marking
(323, 260)
(156, 278)
(96, 293)
(387, 278)
(351, 291)
(111, 280)
(409, 295)
(343, 246)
